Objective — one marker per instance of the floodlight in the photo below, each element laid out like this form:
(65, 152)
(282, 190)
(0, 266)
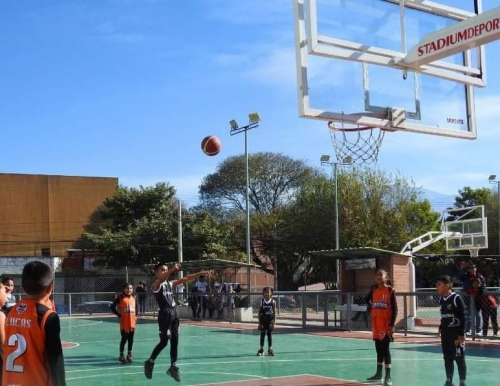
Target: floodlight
(254, 117)
(233, 124)
(492, 177)
(325, 158)
(347, 160)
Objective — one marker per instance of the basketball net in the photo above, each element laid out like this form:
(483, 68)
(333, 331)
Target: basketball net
(360, 144)
(474, 252)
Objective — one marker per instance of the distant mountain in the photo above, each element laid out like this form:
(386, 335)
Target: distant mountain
(439, 201)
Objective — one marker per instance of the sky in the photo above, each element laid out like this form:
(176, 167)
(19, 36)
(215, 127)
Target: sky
(129, 88)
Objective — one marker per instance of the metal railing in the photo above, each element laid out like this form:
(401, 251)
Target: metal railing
(419, 312)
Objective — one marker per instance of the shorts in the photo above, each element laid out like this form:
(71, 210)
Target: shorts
(267, 325)
(450, 346)
(168, 323)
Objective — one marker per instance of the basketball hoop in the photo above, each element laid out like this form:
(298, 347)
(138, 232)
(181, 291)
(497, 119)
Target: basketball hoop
(474, 252)
(359, 143)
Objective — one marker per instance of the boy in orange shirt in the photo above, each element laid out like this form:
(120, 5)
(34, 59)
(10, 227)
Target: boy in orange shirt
(125, 308)
(383, 310)
(32, 348)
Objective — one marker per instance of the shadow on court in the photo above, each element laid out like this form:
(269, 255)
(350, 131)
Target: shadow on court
(490, 353)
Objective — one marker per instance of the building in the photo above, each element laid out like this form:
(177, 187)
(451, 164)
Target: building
(42, 215)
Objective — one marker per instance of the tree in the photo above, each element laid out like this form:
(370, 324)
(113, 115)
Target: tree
(273, 178)
(135, 227)
(375, 209)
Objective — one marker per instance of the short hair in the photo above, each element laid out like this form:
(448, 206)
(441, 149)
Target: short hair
(446, 280)
(6, 279)
(159, 265)
(267, 288)
(36, 277)
(202, 276)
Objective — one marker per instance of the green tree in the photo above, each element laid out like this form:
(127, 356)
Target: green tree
(376, 210)
(135, 227)
(273, 178)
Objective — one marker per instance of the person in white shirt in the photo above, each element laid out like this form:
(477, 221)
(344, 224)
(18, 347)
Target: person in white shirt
(201, 288)
(9, 288)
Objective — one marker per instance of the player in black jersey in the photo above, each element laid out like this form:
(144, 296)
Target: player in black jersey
(168, 318)
(267, 316)
(452, 330)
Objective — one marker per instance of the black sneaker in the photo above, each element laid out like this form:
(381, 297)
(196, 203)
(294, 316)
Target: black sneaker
(270, 352)
(260, 352)
(148, 369)
(129, 358)
(449, 383)
(388, 381)
(173, 371)
(122, 359)
(462, 383)
(375, 378)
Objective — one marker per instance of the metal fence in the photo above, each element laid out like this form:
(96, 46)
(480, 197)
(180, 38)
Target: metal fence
(419, 312)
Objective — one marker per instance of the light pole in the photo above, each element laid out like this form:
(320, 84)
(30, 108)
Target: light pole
(325, 160)
(493, 180)
(253, 122)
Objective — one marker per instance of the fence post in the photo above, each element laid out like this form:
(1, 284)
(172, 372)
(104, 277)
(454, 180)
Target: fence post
(70, 313)
(348, 312)
(325, 310)
(405, 314)
(304, 310)
(472, 306)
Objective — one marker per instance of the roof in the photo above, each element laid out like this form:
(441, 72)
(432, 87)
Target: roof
(353, 253)
(212, 264)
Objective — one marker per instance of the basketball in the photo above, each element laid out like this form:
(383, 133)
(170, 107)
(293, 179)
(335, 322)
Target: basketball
(211, 145)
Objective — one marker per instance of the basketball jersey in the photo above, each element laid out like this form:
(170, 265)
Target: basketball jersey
(164, 296)
(267, 310)
(452, 313)
(381, 312)
(126, 308)
(24, 348)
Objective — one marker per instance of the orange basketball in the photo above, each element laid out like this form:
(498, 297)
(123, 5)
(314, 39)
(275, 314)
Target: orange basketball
(211, 145)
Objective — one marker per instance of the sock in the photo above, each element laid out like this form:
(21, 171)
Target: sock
(388, 372)
(379, 369)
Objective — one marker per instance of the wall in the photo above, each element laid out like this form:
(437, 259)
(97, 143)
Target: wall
(50, 212)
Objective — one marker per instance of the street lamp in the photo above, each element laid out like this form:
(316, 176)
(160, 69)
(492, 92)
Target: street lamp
(325, 160)
(253, 121)
(493, 180)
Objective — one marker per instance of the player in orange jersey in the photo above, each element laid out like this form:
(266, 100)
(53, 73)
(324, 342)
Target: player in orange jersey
(383, 310)
(32, 350)
(3, 301)
(125, 308)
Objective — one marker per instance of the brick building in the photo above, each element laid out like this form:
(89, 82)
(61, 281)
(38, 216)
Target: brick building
(41, 215)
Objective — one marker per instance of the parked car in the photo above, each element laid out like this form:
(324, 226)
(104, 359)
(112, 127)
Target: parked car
(97, 307)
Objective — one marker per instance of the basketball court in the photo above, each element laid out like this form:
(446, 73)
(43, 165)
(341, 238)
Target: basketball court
(213, 353)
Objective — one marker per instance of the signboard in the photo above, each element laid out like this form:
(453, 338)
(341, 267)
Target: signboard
(361, 264)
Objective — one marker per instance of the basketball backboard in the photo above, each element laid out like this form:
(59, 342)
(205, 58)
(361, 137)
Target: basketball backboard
(396, 64)
(470, 223)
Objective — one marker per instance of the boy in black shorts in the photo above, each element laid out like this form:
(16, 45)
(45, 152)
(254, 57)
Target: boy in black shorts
(168, 318)
(452, 330)
(267, 316)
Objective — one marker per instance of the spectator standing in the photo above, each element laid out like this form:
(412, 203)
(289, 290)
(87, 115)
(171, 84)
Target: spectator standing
(467, 280)
(8, 283)
(141, 292)
(201, 288)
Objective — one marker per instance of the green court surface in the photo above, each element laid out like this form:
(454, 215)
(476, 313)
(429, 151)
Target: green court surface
(219, 353)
